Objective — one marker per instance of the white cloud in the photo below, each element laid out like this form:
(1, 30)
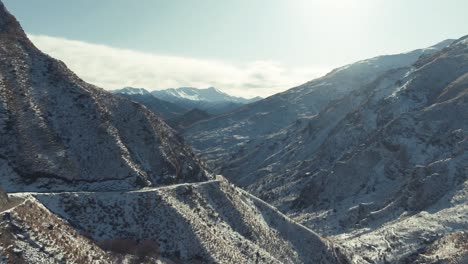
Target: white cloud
(113, 68)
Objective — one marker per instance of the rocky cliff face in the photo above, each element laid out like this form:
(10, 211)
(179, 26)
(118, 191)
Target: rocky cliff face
(56, 131)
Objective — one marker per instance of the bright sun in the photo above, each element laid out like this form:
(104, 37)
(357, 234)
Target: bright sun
(335, 4)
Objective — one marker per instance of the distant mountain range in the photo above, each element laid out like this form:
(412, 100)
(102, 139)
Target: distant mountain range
(165, 109)
(181, 100)
(211, 95)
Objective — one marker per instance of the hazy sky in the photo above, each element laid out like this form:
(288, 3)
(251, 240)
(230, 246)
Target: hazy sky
(245, 47)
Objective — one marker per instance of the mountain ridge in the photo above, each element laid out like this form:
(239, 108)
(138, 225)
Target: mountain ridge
(166, 109)
(210, 94)
(211, 100)
(175, 102)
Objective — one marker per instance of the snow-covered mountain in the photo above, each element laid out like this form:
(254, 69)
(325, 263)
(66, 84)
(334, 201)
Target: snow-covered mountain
(166, 109)
(107, 181)
(172, 103)
(373, 154)
(131, 91)
(210, 99)
(210, 94)
(224, 136)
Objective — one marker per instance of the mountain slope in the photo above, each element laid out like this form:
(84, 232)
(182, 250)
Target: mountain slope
(227, 137)
(32, 234)
(405, 154)
(360, 154)
(167, 110)
(188, 119)
(57, 130)
(211, 222)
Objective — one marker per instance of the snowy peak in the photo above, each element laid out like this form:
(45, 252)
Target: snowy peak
(131, 91)
(211, 100)
(176, 101)
(165, 109)
(210, 94)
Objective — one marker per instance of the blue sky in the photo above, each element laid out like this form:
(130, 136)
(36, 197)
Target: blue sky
(280, 42)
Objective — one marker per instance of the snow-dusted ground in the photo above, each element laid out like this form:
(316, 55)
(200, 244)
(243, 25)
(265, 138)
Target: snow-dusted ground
(211, 222)
(245, 134)
(409, 233)
(29, 233)
(361, 151)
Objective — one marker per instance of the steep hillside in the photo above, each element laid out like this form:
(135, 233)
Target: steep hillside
(211, 222)
(226, 137)
(32, 234)
(166, 110)
(399, 156)
(360, 154)
(56, 131)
